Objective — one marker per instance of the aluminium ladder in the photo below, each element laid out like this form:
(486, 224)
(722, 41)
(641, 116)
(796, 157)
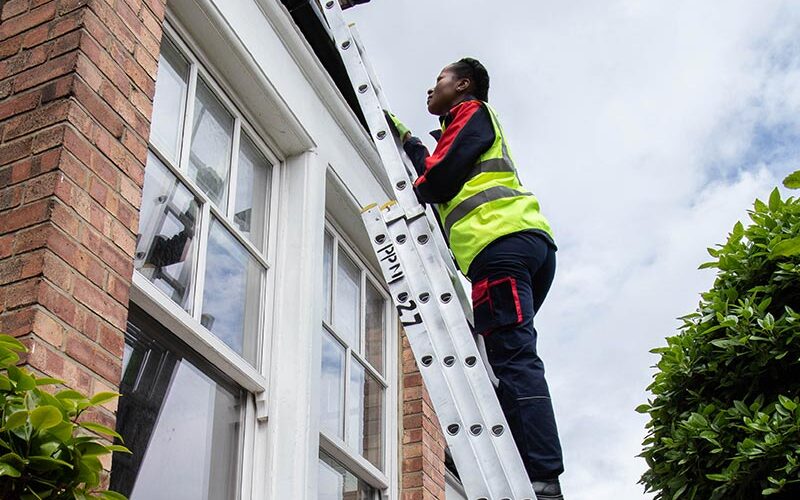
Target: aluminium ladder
(431, 304)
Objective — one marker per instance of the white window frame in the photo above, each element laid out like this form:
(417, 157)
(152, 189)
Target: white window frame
(250, 377)
(333, 445)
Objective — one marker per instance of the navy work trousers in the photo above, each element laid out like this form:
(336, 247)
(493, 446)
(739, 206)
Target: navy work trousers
(510, 280)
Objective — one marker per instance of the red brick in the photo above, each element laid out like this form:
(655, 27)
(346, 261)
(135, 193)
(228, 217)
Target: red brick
(89, 355)
(48, 138)
(65, 6)
(22, 293)
(107, 66)
(98, 301)
(28, 20)
(24, 216)
(47, 328)
(13, 8)
(48, 71)
(6, 245)
(153, 24)
(119, 289)
(13, 151)
(111, 339)
(58, 302)
(98, 109)
(17, 323)
(31, 238)
(105, 24)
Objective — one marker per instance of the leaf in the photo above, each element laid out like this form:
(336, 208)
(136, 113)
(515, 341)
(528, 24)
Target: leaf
(792, 181)
(49, 463)
(775, 200)
(7, 470)
(118, 448)
(45, 417)
(787, 403)
(48, 381)
(16, 419)
(103, 397)
(111, 495)
(100, 429)
(10, 342)
(787, 248)
(70, 394)
(25, 382)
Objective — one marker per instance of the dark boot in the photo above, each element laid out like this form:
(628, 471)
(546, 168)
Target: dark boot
(547, 490)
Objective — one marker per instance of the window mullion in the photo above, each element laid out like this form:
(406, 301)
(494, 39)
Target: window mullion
(186, 136)
(346, 409)
(200, 278)
(362, 327)
(334, 275)
(234, 170)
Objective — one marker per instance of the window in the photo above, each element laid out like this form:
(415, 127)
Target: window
(202, 263)
(337, 483)
(205, 205)
(180, 418)
(354, 379)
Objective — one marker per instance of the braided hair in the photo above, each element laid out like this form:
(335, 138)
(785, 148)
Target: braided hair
(473, 70)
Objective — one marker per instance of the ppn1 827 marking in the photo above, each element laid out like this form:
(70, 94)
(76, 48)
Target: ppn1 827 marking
(390, 263)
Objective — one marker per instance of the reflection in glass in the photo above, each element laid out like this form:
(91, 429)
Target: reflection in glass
(181, 425)
(165, 248)
(337, 483)
(169, 102)
(355, 404)
(365, 414)
(332, 388)
(252, 192)
(375, 324)
(372, 443)
(231, 292)
(348, 300)
(327, 274)
(210, 155)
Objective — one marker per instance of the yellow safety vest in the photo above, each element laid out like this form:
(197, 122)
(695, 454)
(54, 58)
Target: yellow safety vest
(492, 203)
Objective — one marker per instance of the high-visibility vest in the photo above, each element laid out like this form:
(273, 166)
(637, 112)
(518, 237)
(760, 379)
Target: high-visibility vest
(492, 203)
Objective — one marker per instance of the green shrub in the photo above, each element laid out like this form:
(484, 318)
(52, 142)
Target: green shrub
(725, 407)
(42, 454)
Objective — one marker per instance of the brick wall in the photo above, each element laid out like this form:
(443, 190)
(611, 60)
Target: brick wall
(423, 443)
(76, 90)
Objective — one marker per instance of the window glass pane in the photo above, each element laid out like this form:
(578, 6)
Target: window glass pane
(372, 443)
(328, 274)
(210, 155)
(332, 387)
(337, 483)
(375, 324)
(252, 192)
(181, 425)
(355, 406)
(348, 299)
(169, 102)
(365, 414)
(232, 292)
(165, 248)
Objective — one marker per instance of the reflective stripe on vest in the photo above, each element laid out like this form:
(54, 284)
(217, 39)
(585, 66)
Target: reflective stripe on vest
(491, 203)
(473, 202)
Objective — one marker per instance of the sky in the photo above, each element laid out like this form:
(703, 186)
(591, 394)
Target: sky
(646, 130)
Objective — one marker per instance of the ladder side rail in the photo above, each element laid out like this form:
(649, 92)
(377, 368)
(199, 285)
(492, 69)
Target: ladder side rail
(413, 318)
(401, 173)
(491, 414)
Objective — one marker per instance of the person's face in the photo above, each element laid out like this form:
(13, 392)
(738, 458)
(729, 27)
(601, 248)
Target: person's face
(446, 93)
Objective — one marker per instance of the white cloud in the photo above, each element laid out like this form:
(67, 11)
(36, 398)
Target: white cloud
(646, 129)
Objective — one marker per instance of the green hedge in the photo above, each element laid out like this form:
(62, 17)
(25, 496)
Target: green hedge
(725, 406)
(46, 449)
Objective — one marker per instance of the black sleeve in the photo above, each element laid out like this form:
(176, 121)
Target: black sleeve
(465, 139)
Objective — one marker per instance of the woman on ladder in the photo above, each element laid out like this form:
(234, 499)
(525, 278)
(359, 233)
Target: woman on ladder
(503, 244)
